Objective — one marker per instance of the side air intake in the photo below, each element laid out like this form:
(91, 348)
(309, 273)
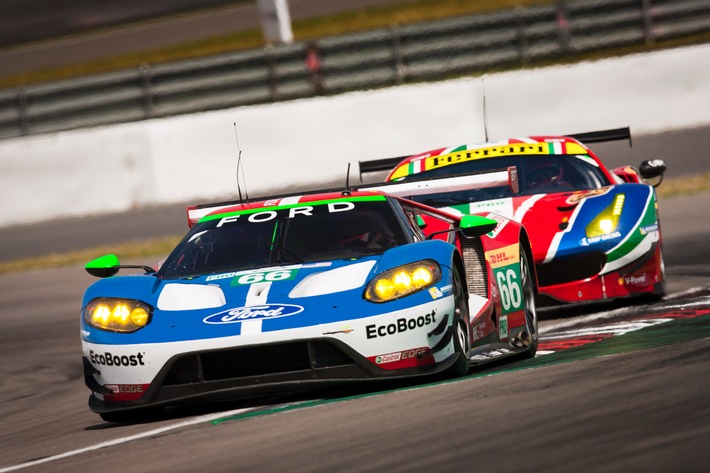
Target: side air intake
(475, 261)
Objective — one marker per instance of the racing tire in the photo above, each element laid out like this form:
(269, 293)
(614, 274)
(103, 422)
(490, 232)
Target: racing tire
(659, 289)
(462, 344)
(530, 308)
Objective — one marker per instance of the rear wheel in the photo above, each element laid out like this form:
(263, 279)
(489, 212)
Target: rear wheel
(460, 328)
(529, 305)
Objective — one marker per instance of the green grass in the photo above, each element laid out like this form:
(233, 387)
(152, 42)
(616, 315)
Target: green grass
(149, 249)
(374, 17)
(687, 185)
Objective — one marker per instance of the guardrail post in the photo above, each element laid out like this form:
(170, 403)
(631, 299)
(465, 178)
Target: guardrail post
(563, 26)
(522, 35)
(147, 90)
(273, 78)
(22, 114)
(314, 65)
(647, 22)
(400, 70)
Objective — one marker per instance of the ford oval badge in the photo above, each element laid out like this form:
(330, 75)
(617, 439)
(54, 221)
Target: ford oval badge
(254, 312)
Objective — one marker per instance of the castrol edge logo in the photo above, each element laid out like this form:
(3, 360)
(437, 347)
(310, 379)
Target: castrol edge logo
(254, 312)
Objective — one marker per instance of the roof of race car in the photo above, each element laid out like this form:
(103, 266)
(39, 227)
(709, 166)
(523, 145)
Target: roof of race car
(200, 213)
(534, 145)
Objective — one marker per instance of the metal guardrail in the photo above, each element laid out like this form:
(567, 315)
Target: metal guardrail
(426, 51)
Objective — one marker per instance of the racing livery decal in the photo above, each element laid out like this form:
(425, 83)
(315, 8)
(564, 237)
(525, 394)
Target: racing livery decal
(400, 326)
(258, 312)
(506, 270)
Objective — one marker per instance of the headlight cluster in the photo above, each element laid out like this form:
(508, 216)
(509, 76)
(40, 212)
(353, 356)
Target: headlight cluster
(117, 315)
(607, 221)
(403, 280)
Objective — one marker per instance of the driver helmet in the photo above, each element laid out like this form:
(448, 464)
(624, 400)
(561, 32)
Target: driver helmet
(543, 172)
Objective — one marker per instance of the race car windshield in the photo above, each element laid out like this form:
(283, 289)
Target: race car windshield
(536, 174)
(283, 236)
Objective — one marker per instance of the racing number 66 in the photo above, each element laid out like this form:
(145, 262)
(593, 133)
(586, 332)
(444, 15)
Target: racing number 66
(511, 295)
(252, 278)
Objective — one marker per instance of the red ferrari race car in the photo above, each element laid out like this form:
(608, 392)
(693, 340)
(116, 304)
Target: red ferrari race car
(594, 231)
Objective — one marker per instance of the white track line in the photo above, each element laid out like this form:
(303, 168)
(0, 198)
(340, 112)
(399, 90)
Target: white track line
(110, 443)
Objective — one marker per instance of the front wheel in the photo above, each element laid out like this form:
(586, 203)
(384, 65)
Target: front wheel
(460, 330)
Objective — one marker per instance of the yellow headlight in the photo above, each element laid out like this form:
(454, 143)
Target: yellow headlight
(402, 281)
(422, 276)
(607, 221)
(117, 315)
(606, 225)
(139, 316)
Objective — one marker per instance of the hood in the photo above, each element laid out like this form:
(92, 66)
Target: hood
(557, 223)
(261, 300)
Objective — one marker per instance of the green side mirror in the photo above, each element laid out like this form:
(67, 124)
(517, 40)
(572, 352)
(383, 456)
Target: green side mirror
(475, 225)
(103, 267)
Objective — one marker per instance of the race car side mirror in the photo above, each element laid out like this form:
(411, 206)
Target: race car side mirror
(652, 170)
(475, 225)
(108, 265)
(103, 267)
(471, 226)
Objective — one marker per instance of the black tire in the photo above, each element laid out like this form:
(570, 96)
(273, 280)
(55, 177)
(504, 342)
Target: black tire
(528, 288)
(462, 344)
(659, 289)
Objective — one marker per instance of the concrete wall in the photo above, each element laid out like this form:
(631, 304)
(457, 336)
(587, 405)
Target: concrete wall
(193, 157)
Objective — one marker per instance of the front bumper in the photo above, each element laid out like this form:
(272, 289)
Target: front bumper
(242, 372)
(643, 276)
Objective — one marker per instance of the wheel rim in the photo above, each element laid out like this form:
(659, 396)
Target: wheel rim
(461, 331)
(529, 294)
(461, 314)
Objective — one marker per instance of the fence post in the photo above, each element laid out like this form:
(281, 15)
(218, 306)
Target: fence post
(563, 26)
(400, 70)
(522, 35)
(22, 114)
(147, 90)
(648, 35)
(273, 79)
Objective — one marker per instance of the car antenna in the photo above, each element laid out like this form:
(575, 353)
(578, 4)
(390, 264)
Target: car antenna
(485, 114)
(347, 182)
(239, 166)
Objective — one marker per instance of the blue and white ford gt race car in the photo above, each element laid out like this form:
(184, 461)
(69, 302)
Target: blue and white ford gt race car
(303, 291)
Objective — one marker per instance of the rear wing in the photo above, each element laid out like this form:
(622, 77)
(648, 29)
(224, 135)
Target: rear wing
(614, 134)
(385, 164)
(507, 177)
(196, 212)
(603, 135)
